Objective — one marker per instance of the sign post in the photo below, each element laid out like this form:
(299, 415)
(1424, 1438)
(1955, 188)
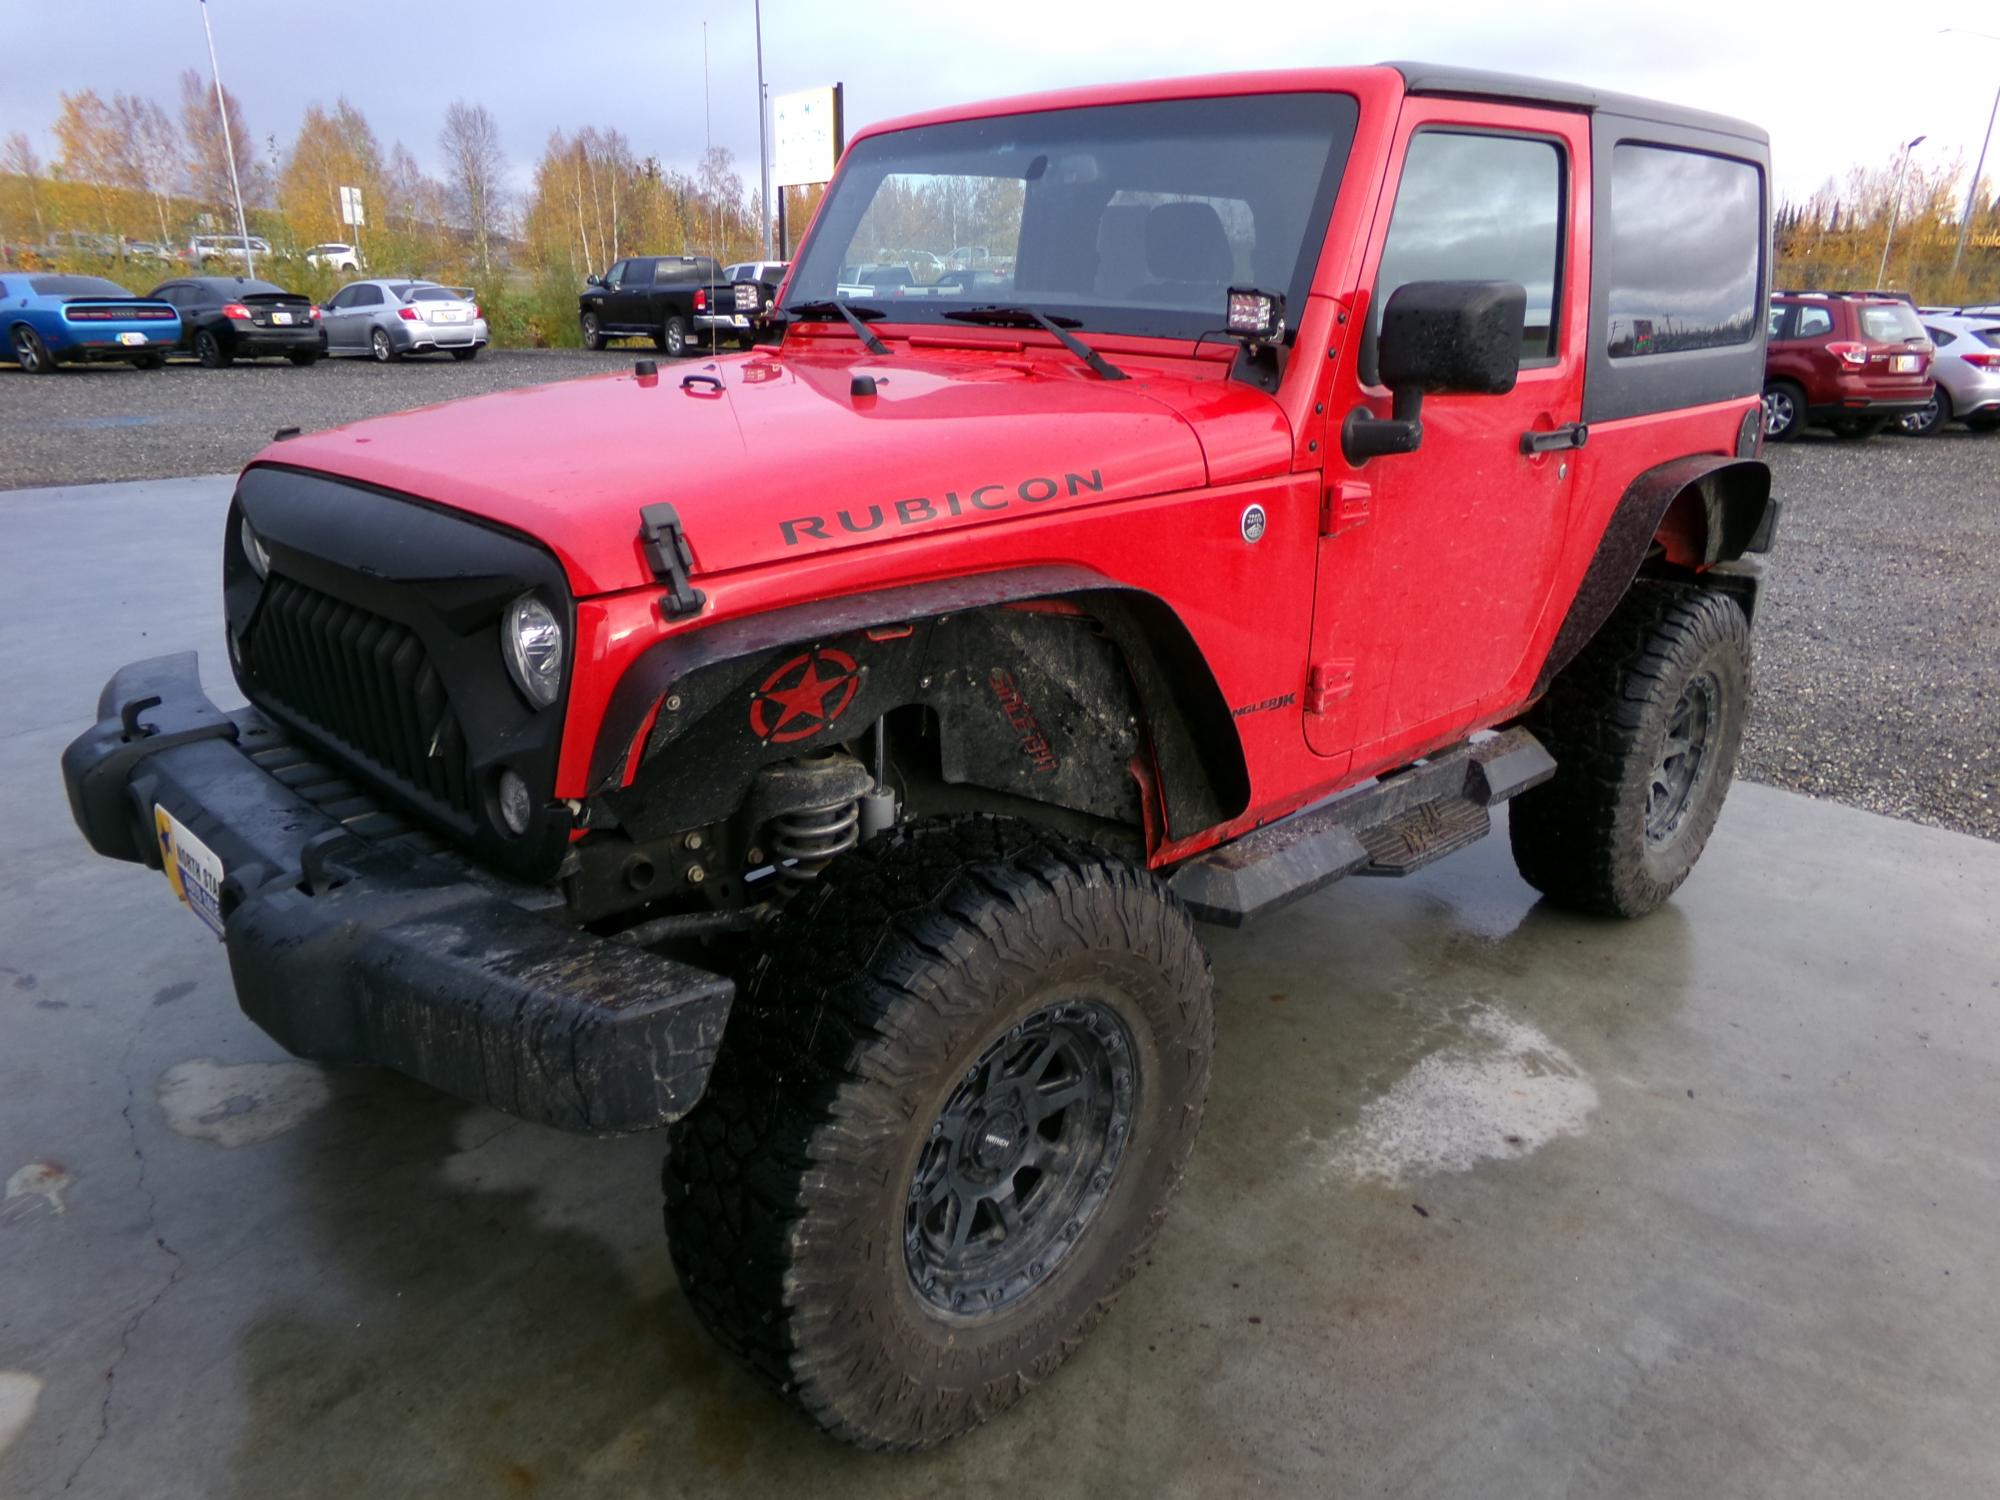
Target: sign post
(351, 214)
(808, 134)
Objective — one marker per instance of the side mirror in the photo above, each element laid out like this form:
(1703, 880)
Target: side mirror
(593, 279)
(1437, 338)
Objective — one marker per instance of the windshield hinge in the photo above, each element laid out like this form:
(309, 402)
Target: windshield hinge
(667, 550)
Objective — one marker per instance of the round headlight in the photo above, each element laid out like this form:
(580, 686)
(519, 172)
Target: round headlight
(531, 640)
(253, 550)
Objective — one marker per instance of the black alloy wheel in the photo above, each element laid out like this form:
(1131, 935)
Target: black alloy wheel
(1684, 758)
(209, 350)
(1020, 1159)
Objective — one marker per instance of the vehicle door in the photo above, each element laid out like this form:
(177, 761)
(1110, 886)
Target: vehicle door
(1796, 349)
(170, 292)
(1436, 566)
(630, 302)
(333, 318)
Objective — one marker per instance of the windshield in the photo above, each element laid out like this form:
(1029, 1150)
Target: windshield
(76, 286)
(1128, 218)
(1889, 323)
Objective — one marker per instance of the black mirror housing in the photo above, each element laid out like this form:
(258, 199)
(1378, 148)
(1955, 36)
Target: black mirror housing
(1461, 337)
(1437, 338)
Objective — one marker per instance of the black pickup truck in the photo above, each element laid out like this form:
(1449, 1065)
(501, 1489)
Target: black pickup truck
(646, 296)
(734, 313)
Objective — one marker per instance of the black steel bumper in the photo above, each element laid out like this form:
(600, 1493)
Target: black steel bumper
(346, 951)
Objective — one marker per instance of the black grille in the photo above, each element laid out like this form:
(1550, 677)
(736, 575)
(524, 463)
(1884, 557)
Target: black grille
(365, 683)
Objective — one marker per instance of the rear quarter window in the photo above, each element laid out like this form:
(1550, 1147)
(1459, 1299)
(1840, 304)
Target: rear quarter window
(1684, 247)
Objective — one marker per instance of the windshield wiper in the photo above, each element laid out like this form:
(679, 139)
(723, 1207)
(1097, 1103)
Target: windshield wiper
(1004, 315)
(835, 305)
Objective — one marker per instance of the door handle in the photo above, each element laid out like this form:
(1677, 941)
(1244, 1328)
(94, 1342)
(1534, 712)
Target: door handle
(1569, 435)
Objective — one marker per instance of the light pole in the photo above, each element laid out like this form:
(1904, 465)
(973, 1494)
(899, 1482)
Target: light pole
(228, 145)
(1895, 203)
(763, 152)
(1972, 188)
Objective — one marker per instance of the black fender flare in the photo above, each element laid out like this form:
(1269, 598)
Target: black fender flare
(1729, 508)
(1204, 779)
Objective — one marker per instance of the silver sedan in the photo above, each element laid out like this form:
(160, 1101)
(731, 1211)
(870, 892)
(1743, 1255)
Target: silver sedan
(387, 319)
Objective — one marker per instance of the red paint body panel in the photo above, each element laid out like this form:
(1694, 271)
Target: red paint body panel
(1435, 581)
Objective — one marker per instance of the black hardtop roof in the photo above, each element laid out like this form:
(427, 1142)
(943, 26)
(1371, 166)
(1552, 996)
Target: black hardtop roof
(1477, 83)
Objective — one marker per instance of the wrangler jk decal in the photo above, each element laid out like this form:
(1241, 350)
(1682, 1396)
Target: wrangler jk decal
(1283, 700)
(922, 508)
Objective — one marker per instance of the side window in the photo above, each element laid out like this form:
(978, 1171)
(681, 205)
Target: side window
(1777, 320)
(1683, 244)
(1478, 208)
(1939, 336)
(615, 277)
(1814, 323)
(639, 273)
(342, 298)
(368, 296)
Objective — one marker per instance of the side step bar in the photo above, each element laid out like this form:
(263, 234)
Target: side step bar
(1400, 824)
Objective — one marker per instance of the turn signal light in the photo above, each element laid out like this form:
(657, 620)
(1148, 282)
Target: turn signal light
(409, 315)
(1982, 361)
(235, 310)
(315, 313)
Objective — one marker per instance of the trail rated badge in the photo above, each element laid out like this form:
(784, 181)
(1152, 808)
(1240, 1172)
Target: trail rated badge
(804, 696)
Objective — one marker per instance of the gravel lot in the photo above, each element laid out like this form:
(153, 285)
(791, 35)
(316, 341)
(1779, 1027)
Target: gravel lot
(87, 424)
(1878, 642)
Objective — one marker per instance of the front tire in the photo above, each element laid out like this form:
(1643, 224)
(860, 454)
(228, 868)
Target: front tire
(951, 1106)
(1784, 411)
(1644, 725)
(593, 332)
(210, 350)
(673, 338)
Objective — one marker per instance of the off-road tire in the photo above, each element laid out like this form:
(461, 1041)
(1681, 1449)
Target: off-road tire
(593, 332)
(906, 963)
(1582, 838)
(672, 337)
(1784, 411)
(211, 351)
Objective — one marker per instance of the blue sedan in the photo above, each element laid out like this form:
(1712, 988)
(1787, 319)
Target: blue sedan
(52, 319)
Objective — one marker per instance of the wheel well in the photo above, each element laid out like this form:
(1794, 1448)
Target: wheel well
(1683, 518)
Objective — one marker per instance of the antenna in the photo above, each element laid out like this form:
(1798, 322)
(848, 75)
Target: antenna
(708, 148)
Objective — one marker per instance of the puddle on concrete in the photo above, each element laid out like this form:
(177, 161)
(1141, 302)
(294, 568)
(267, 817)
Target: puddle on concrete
(46, 1181)
(240, 1104)
(1502, 1089)
(18, 1393)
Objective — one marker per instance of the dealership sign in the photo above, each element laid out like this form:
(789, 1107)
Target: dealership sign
(806, 136)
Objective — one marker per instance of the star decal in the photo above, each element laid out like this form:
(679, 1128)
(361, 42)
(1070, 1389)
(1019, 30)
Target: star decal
(804, 696)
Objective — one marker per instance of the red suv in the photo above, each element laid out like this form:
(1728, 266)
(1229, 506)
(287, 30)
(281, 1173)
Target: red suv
(826, 752)
(1851, 361)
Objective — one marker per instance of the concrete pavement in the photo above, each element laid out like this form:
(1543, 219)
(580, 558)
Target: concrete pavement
(1491, 1200)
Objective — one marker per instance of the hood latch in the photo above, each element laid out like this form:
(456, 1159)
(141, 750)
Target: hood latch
(667, 550)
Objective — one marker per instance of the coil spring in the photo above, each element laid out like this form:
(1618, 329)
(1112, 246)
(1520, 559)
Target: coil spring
(807, 840)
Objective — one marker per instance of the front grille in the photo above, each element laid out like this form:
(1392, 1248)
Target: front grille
(366, 684)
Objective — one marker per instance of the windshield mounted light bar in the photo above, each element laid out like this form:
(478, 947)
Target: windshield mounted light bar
(1256, 317)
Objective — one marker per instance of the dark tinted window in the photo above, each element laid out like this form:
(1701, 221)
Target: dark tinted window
(684, 272)
(1684, 246)
(1990, 337)
(1814, 322)
(366, 296)
(76, 286)
(1479, 208)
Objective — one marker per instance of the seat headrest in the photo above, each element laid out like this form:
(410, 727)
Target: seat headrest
(1186, 242)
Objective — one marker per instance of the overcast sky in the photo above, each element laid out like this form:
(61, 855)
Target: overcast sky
(1835, 85)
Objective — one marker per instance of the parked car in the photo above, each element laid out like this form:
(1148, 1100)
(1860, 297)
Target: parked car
(227, 318)
(828, 755)
(334, 257)
(1966, 368)
(737, 309)
(53, 319)
(207, 249)
(388, 318)
(646, 296)
(1850, 361)
(772, 271)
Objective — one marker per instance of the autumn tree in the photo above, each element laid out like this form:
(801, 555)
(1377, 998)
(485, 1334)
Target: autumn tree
(474, 163)
(331, 151)
(147, 156)
(20, 160)
(209, 152)
(87, 150)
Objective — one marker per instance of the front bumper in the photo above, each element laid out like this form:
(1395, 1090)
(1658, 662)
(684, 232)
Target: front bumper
(354, 952)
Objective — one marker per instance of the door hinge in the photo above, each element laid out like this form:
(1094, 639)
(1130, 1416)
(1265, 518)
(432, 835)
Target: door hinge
(668, 552)
(1344, 505)
(1327, 682)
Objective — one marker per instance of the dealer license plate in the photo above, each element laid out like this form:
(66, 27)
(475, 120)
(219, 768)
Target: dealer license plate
(278, 317)
(448, 315)
(192, 868)
(132, 338)
(1903, 363)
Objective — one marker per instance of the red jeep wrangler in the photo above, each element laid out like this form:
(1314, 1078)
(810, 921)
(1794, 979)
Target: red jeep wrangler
(828, 753)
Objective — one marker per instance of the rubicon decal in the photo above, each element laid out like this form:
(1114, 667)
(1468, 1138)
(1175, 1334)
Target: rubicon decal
(921, 509)
(804, 696)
